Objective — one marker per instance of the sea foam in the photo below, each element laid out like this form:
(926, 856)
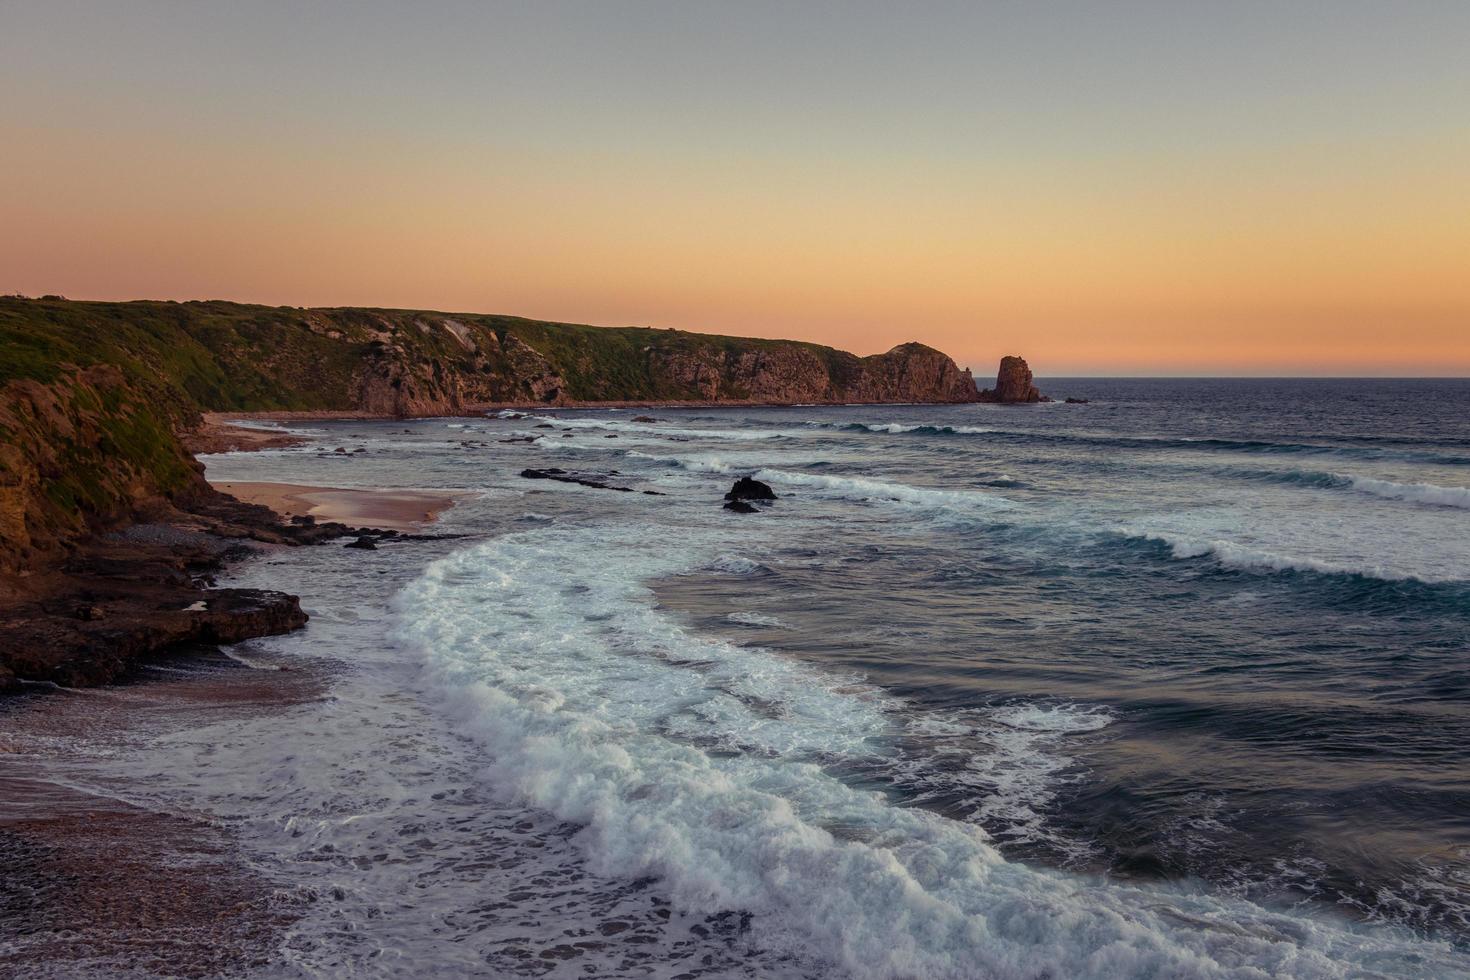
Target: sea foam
(1419, 493)
(708, 766)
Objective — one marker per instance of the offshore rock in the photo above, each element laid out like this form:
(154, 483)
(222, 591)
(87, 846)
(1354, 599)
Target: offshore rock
(746, 488)
(1013, 384)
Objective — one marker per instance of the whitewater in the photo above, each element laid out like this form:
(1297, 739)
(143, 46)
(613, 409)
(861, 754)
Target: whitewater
(1163, 685)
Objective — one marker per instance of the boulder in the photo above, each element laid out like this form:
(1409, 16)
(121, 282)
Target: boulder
(740, 507)
(746, 488)
(364, 543)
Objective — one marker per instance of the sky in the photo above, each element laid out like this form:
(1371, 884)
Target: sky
(1120, 188)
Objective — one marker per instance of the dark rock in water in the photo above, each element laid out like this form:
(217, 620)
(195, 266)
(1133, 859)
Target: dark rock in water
(609, 437)
(741, 507)
(520, 439)
(303, 520)
(746, 488)
(562, 476)
(645, 418)
(1013, 384)
(339, 449)
(364, 543)
(1076, 401)
(543, 425)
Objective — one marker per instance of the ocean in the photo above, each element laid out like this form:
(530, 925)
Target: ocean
(1169, 684)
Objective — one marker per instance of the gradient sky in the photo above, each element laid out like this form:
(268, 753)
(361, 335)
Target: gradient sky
(1106, 188)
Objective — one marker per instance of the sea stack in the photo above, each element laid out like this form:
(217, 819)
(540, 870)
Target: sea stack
(1013, 383)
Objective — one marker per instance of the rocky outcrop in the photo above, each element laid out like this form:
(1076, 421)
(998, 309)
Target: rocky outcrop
(909, 373)
(748, 488)
(744, 491)
(121, 598)
(792, 373)
(1013, 384)
(81, 653)
(597, 482)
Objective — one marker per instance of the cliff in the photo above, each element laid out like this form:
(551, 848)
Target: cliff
(233, 357)
(93, 396)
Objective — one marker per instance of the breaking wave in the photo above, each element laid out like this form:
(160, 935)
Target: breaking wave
(1419, 493)
(709, 766)
(1248, 558)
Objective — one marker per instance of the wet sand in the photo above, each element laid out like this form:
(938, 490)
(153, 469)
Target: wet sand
(98, 885)
(398, 510)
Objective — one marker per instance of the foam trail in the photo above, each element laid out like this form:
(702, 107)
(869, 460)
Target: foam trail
(898, 428)
(866, 490)
(707, 765)
(666, 431)
(1419, 493)
(1248, 558)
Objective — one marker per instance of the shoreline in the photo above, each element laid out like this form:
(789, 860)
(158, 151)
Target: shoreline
(468, 411)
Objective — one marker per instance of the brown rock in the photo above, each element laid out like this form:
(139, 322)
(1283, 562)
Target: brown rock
(1013, 383)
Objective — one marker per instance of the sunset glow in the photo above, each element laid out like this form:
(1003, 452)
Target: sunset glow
(1286, 195)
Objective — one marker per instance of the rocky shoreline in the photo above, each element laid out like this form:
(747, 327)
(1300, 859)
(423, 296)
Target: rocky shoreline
(122, 597)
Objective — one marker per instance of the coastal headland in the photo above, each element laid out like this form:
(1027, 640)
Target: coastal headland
(110, 535)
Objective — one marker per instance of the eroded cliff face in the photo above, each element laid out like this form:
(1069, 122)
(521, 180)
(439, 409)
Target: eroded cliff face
(911, 373)
(799, 373)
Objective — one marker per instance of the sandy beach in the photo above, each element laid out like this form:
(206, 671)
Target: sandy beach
(398, 510)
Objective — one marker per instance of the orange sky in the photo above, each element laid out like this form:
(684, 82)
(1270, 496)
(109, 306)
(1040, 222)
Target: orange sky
(1295, 206)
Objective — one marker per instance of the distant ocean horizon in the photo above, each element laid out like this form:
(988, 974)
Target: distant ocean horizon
(1171, 683)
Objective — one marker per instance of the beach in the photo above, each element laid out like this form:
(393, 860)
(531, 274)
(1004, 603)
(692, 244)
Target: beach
(399, 510)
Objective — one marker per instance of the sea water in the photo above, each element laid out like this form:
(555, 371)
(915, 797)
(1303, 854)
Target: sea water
(1169, 684)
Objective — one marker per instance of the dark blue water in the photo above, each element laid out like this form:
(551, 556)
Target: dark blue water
(1210, 638)
(1283, 652)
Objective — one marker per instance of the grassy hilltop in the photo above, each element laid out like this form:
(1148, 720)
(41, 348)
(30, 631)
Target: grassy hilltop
(235, 357)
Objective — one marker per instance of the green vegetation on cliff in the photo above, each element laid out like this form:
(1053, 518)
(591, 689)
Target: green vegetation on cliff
(92, 394)
(235, 357)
